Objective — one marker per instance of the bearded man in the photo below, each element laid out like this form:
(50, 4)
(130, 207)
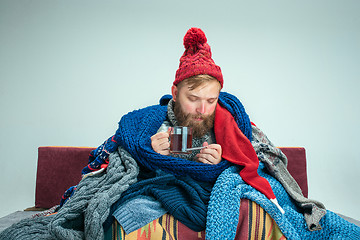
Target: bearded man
(193, 105)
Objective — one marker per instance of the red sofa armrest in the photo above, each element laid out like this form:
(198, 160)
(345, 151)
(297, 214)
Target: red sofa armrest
(60, 168)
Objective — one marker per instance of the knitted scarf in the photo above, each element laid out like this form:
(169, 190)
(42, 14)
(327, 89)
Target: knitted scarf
(236, 147)
(232, 129)
(136, 128)
(84, 215)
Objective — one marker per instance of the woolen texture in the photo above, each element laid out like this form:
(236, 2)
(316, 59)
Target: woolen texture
(238, 150)
(136, 128)
(223, 211)
(276, 163)
(83, 215)
(137, 212)
(196, 59)
(181, 196)
(135, 131)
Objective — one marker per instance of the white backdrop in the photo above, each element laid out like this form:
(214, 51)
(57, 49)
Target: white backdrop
(70, 69)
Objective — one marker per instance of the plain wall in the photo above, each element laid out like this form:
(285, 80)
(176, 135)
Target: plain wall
(70, 69)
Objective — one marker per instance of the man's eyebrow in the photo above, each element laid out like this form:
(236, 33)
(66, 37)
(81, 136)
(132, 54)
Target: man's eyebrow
(196, 96)
(193, 95)
(213, 97)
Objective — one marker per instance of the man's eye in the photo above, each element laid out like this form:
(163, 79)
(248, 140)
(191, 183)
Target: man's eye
(211, 101)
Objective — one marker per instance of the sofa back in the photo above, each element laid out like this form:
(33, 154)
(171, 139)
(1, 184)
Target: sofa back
(60, 168)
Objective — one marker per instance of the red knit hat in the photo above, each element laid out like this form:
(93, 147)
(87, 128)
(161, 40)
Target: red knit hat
(197, 59)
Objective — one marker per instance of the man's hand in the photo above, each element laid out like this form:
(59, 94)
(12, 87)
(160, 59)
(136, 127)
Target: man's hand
(211, 154)
(160, 142)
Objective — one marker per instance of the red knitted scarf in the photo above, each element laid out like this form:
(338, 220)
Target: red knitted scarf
(238, 149)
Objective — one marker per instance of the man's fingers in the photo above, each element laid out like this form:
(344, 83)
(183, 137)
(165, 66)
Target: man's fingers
(210, 151)
(160, 135)
(211, 154)
(205, 158)
(164, 144)
(215, 147)
(165, 152)
(160, 143)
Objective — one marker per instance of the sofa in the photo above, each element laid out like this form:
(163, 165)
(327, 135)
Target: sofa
(59, 167)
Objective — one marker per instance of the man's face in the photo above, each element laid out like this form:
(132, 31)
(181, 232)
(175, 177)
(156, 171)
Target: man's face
(196, 108)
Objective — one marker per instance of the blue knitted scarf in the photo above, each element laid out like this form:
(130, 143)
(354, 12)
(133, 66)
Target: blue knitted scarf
(136, 128)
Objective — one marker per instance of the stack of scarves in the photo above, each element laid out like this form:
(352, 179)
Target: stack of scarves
(136, 128)
(134, 132)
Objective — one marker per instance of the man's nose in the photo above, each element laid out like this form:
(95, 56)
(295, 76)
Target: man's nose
(201, 108)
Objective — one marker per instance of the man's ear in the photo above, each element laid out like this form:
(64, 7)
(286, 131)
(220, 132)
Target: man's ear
(174, 91)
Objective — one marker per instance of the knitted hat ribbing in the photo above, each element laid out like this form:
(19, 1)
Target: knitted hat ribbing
(197, 59)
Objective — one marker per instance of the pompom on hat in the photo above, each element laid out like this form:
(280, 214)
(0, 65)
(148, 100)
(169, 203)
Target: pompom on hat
(196, 59)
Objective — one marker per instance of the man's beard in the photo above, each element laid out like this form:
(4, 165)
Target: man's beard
(199, 129)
